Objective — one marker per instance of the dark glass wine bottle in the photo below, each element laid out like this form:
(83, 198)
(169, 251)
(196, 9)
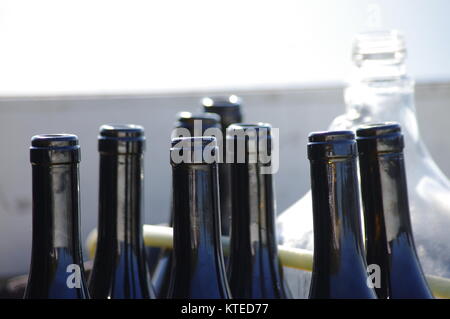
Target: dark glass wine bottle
(229, 109)
(254, 270)
(389, 237)
(196, 124)
(198, 269)
(56, 261)
(187, 124)
(339, 266)
(120, 270)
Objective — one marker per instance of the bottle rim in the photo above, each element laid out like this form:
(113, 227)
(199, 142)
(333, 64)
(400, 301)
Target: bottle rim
(328, 145)
(380, 47)
(221, 101)
(49, 149)
(331, 136)
(121, 139)
(55, 140)
(378, 129)
(125, 131)
(194, 150)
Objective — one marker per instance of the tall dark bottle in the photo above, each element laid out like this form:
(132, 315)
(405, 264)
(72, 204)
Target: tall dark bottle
(229, 109)
(198, 269)
(120, 270)
(389, 236)
(187, 124)
(56, 262)
(254, 270)
(339, 266)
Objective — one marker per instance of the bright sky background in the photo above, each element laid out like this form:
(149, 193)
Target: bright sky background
(111, 46)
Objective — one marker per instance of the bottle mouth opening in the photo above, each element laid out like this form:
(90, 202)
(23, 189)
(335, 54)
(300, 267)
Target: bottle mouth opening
(209, 119)
(328, 145)
(49, 149)
(229, 101)
(60, 140)
(121, 139)
(122, 131)
(378, 130)
(381, 138)
(380, 47)
(249, 126)
(331, 137)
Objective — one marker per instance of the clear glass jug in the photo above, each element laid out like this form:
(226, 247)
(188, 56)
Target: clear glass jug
(380, 90)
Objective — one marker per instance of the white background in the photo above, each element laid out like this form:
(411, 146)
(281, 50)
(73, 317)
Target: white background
(110, 46)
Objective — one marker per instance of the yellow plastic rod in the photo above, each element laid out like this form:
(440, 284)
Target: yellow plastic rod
(161, 236)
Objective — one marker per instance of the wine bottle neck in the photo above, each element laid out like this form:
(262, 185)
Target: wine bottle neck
(337, 230)
(196, 213)
(56, 213)
(387, 196)
(121, 201)
(253, 253)
(253, 211)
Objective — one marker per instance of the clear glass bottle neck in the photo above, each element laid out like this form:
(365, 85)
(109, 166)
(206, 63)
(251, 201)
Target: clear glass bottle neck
(379, 88)
(379, 56)
(378, 71)
(378, 94)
